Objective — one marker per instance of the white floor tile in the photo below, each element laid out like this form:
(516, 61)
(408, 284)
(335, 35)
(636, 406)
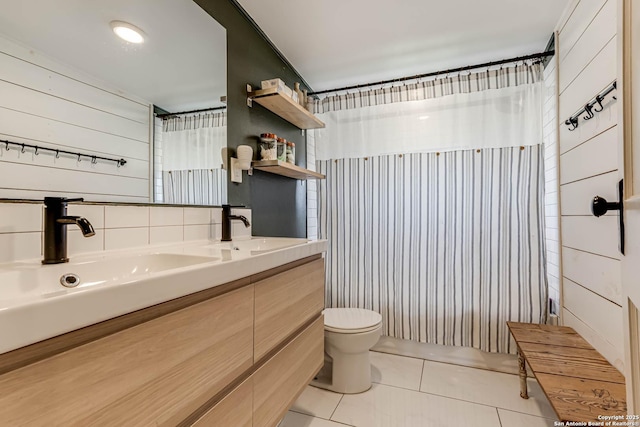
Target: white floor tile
(465, 356)
(516, 419)
(386, 406)
(394, 370)
(317, 402)
(486, 387)
(293, 419)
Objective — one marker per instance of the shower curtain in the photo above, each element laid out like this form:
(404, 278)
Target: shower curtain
(433, 206)
(191, 159)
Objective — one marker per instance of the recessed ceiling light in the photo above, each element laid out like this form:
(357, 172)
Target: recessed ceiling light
(423, 117)
(128, 32)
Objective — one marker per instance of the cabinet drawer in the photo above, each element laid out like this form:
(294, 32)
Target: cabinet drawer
(236, 409)
(156, 373)
(285, 302)
(278, 383)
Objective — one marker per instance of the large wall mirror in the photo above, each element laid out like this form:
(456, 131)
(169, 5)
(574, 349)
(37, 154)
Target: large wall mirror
(180, 70)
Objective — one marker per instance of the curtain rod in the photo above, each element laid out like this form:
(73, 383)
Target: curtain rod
(436, 73)
(190, 112)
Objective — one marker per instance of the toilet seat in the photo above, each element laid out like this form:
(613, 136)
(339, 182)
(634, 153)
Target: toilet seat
(351, 320)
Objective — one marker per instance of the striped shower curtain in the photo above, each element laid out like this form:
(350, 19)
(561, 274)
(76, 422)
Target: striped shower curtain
(188, 159)
(432, 205)
(446, 246)
(195, 186)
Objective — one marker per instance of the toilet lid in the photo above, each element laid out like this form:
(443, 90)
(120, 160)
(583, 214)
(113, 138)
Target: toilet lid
(350, 320)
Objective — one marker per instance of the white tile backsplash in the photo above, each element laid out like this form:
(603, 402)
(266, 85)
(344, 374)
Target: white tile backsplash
(93, 213)
(198, 216)
(126, 216)
(78, 244)
(124, 238)
(216, 232)
(216, 216)
(163, 216)
(238, 229)
(117, 227)
(169, 234)
(197, 232)
(20, 217)
(17, 246)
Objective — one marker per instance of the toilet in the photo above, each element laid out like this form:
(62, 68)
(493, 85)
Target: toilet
(349, 333)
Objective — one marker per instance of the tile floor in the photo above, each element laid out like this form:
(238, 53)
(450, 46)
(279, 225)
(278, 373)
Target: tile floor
(414, 392)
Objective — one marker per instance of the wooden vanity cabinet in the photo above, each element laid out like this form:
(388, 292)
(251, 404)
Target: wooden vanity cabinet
(234, 356)
(277, 384)
(235, 409)
(285, 302)
(263, 399)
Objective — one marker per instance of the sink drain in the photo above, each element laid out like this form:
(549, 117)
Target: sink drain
(69, 280)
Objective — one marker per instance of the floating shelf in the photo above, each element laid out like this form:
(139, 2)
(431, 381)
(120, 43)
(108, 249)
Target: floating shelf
(286, 169)
(284, 106)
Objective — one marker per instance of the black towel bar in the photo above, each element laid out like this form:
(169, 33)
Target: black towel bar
(590, 107)
(37, 149)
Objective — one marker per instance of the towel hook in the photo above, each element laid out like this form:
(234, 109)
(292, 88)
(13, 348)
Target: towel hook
(57, 154)
(587, 109)
(35, 151)
(572, 121)
(94, 160)
(598, 101)
(22, 151)
(7, 146)
(79, 159)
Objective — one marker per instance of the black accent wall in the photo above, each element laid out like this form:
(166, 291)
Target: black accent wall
(278, 203)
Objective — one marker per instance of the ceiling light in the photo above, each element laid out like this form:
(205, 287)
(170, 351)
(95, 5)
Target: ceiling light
(423, 117)
(128, 32)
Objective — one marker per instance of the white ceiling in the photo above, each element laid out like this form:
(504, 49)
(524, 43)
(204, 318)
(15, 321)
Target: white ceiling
(336, 43)
(181, 66)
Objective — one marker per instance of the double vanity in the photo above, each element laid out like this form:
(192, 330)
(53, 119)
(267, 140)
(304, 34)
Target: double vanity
(199, 333)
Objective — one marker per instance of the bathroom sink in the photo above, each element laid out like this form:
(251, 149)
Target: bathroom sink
(260, 245)
(28, 280)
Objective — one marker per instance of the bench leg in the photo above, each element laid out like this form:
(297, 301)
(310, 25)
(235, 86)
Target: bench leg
(523, 376)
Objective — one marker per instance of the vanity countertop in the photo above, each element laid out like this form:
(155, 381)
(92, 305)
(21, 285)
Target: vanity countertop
(34, 305)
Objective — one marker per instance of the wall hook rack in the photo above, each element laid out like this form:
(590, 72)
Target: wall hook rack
(37, 150)
(590, 107)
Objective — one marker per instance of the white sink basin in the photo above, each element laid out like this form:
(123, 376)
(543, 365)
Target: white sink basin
(34, 305)
(260, 245)
(30, 280)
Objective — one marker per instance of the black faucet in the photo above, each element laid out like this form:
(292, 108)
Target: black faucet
(55, 229)
(226, 222)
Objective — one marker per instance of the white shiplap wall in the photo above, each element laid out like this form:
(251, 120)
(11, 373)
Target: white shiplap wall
(589, 167)
(550, 140)
(47, 104)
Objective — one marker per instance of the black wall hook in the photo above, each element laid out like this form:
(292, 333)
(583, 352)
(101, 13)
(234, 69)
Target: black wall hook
(599, 102)
(572, 121)
(588, 109)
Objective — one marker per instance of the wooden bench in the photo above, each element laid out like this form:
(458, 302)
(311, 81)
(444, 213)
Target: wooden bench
(579, 383)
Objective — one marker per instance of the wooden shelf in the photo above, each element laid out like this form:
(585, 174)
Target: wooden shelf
(286, 169)
(284, 106)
